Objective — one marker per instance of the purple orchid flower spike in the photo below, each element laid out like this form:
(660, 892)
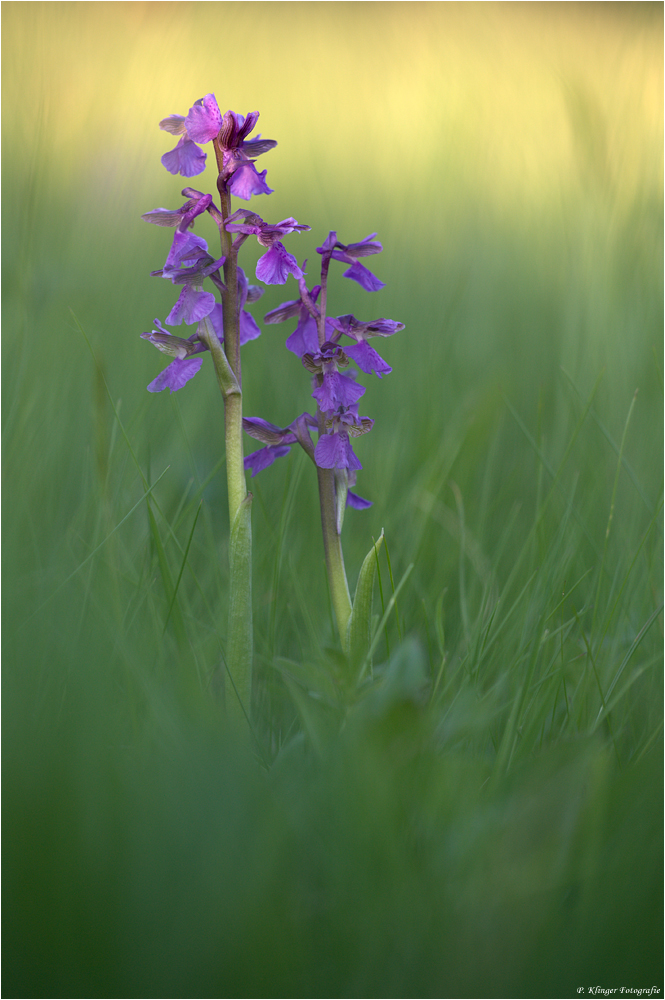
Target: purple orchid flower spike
(225, 324)
(183, 367)
(274, 267)
(367, 359)
(349, 254)
(333, 449)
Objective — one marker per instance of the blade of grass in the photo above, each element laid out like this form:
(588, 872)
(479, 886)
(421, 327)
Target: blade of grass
(392, 584)
(182, 567)
(611, 513)
(633, 646)
(383, 607)
(612, 443)
(382, 623)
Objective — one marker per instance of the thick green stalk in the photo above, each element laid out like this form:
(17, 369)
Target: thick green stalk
(227, 367)
(239, 648)
(332, 542)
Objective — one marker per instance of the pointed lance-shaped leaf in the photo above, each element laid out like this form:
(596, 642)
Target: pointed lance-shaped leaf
(359, 628)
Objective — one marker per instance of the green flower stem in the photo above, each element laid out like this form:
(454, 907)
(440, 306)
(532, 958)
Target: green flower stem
(240, 646)
(239, 651)
(232, 395)
(332, 543)
(235, 472)
(240, 632)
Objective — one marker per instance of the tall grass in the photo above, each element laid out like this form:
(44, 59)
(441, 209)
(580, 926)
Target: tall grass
(481, 816)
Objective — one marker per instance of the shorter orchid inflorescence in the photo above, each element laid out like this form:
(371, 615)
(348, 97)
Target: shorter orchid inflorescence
(326, 345)
(316, 341)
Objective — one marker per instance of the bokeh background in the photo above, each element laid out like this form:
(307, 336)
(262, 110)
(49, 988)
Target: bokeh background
(509, 155)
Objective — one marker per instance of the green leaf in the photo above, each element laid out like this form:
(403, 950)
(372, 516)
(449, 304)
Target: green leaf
(359, 631)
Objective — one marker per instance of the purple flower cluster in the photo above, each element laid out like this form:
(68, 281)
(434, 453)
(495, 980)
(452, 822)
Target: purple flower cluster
(316, 341)
(277, 264)
(326, 345)
(189, 261)
(235, 152)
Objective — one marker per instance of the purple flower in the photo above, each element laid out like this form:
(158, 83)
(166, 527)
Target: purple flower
(273, 267)
(352, 499)
(204, 119)
(349, 254)
(186, 159)
(367, 359)
(278, 440)
(352, 251)
(175, 375)
(193, 305)
(188, 249)
(358, 502)
(192, 250)
(276, 265)
(265, 232)
(249, 329)
(182, 217)
(335, 390)
(259, 460)
(333, 449)
(238, 151)
(183, 367)
(305, 337)
(364, 277)
(246, 180)
(205, 122)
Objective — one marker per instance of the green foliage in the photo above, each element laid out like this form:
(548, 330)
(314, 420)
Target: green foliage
(478, 813)
(360, 622)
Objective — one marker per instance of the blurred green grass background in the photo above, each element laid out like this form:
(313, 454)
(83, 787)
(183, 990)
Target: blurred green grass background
(491, 839)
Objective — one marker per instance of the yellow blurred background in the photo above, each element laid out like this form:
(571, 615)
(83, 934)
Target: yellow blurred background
(395, 99)
(508, 154)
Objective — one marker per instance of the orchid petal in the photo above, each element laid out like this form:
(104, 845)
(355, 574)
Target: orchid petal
(176, 374)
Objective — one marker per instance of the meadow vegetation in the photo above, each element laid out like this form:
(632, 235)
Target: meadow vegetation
(480, 815)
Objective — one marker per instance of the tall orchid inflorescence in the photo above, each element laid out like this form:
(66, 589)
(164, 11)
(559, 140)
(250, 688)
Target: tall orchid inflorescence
(223, 327)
